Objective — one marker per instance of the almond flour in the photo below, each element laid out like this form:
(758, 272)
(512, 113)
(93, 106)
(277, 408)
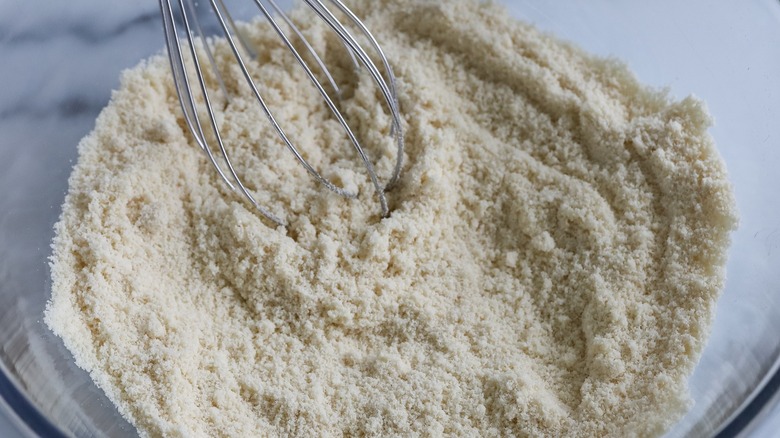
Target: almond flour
(550, 268)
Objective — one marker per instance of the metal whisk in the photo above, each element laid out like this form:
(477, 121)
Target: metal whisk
(182, 14)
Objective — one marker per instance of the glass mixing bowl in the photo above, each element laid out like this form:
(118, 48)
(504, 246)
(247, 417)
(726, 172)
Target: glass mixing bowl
(61, 59)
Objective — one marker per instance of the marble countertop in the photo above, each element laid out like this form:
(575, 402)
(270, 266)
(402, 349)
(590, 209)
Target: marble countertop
(62, 59)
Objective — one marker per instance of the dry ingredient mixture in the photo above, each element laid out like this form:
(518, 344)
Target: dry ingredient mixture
(551, 266)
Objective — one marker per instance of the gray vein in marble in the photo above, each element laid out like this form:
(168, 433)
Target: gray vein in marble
(66, 68)
(72, 106)
(86, 32)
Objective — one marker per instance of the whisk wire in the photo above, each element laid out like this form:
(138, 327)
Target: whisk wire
(232, 24)
(334, 110)
(346, 46)
(397, 129)
(320, 63)
(207, 47)
(183, 87)
(267, 110)
(237, 43)
(388, 90)
(215, 127)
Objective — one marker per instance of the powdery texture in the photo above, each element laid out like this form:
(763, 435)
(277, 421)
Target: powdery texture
(551, 266)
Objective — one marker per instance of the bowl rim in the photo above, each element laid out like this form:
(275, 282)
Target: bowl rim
(764, 397)
(28, 419)
(23, 414)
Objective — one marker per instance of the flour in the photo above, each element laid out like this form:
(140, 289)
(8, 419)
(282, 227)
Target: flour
(550, 268)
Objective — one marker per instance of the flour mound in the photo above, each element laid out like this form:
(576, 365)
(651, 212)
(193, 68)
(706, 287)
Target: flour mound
(550, 268)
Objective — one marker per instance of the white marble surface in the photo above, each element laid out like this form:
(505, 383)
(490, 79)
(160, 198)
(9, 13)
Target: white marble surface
(61, 60)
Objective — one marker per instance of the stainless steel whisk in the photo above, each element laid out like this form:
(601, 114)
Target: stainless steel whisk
(185, 11)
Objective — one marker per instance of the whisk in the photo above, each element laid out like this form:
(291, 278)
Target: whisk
(182, 14)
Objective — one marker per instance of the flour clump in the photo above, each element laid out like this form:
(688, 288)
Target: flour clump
(550, 268)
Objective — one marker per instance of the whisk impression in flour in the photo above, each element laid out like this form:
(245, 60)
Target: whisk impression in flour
(551, 267)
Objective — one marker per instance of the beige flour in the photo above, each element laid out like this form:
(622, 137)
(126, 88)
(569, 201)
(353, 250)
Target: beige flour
(551, 266)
